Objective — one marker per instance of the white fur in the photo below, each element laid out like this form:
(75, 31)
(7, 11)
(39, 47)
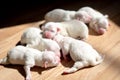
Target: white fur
(92, 12)
(30, 35)
(33, 39)
(81, 52)
(30, 57)
(98, 21)
(83, 16)
(72, 28)
(46, 44)
(59, 15)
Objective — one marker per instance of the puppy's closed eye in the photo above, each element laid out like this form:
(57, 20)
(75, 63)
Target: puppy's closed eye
(41, 32)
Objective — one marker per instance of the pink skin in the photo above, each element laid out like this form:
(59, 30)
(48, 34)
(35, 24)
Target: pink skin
(101, 31)
(51, 32)
(47, 34)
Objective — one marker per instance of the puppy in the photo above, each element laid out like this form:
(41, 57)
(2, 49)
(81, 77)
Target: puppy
(97, 21)
(59, 15)
(33, 39)
(30, 35)
(81, 52)
(30, 57)
(73, 28)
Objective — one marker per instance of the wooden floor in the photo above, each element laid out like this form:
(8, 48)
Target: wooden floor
(107, 44)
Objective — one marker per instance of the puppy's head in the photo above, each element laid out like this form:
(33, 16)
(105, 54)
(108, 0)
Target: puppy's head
(100, 24)
(50, 29)
(50, 59)
(83, 16)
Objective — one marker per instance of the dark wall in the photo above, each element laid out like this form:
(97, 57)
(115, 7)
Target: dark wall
(19, 12)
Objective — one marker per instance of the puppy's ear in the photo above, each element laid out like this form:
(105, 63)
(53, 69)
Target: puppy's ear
(45, 64)
(106, 16)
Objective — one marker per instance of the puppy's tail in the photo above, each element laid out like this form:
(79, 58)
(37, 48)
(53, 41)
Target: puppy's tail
(4, 61)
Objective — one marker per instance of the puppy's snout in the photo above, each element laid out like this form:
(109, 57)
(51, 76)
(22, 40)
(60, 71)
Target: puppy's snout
(101, 30)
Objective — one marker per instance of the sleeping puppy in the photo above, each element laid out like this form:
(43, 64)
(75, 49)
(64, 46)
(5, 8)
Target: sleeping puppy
(82, 53)
(59, 15)
(99, 24)
(73, 28)
(97, 21)
(33, 39)
(30, 57)
(30, 35)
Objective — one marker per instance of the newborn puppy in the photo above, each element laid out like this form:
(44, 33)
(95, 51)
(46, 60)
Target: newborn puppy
(33, 39)
(59, 15)
(30, 35)
(81, 52)
(99, 24)
(72, 28)
(97, 21)
(30, 57)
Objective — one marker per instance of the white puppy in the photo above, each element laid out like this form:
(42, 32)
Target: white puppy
(30, 57)
(81, 52)
(33, 39)
(59, 15)
(97, 20)
(72, 28)
(30, 35)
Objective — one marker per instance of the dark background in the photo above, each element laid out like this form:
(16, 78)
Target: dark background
(19, 12)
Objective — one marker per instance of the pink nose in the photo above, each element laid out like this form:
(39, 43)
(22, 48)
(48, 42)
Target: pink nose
(101, 31)
(47, 35)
